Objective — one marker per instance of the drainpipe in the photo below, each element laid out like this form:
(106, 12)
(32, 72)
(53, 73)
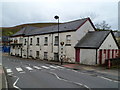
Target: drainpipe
(27, 47)
(96, 55)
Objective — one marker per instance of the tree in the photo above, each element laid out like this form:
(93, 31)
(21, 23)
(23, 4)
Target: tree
(103, 26)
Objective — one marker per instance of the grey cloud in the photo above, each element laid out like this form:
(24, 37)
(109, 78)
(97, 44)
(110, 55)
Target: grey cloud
(15, 13)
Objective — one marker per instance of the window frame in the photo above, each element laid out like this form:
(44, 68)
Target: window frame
(25, 41)
(45, 41)
(56, 41)
(68, 40)
(31, 39)
(38, 41)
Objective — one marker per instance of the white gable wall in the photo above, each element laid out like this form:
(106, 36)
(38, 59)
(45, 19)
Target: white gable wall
(109, 43)
(81, 32)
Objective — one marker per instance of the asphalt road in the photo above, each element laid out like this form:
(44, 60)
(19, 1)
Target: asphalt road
(27, 73)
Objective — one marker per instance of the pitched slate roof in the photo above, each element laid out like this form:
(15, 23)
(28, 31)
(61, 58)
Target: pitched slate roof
(93, 39)
(25, 30)
(69, 26)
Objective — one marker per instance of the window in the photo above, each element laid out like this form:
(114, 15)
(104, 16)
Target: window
(25, 42)
(37, 54)
(45, 55)
(68, 40)
(56, 57)
(56, 41)
(30, 41)
(46, 41)
(20, 40)
(37, 41)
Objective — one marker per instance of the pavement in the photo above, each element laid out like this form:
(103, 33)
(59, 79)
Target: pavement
(3, 82)
(0, 78)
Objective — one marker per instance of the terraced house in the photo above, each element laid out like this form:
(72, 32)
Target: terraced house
(82, 43)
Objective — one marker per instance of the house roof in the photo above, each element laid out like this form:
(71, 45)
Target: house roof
(64, 27)
(25, 30)
(93, 39)
(69, 26)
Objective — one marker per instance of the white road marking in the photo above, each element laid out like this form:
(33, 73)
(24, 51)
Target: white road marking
(29, 68)
(45, 67)
(53, 66)
(60, 67)
(9, 71)
(19, 69)
(36, 67)
(14, 84)
(105, 78)
(68, 80)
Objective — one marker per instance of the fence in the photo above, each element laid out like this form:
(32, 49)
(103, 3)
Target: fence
(105, 54)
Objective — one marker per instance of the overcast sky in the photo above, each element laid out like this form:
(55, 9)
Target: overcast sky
(16, 12)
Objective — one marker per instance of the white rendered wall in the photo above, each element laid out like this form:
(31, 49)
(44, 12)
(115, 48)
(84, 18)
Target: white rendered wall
(109, 43)
(82, 31)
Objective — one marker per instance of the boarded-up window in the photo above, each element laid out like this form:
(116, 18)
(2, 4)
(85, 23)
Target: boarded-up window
(37, 54)
(56, 57)
(45, 55)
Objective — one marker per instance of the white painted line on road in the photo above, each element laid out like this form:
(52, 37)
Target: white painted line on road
(53, 66)
(9, 70)
(19, 69)
(36, 67)
(69, 81)
(22, 72)
(78, 72)
(109, 79)
(60, 67)
(29, 68)
(14, 84)
(105, 78)
(45, 67)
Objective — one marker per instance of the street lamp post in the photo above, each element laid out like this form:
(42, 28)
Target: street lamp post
(57, 17)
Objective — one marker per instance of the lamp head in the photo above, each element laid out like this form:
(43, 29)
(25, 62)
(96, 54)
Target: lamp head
(56, 17)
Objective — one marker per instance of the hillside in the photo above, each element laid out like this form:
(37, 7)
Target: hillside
(7, 31)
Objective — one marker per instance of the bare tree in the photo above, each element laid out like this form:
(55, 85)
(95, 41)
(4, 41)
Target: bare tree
(103, 26)
(92, 15)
